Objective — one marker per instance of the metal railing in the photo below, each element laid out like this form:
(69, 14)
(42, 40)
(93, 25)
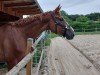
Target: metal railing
(87, 30)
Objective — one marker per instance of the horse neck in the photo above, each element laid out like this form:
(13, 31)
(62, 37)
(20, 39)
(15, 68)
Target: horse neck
(33, 30)
(33, 26)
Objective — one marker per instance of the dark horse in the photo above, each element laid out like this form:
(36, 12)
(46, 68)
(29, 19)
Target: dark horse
(13, 36)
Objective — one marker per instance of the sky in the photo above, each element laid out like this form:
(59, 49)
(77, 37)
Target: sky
(72, 6)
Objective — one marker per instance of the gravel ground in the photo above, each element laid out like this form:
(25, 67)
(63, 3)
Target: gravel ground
(90, 46)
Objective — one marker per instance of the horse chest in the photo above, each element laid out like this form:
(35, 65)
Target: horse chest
(2, 56)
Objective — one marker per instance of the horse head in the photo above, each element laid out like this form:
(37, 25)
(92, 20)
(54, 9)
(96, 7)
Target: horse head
(59, 26)
(52, 20)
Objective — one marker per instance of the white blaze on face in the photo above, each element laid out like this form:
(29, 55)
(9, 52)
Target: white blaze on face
(72, 28)
(69, 26)
(66, 27)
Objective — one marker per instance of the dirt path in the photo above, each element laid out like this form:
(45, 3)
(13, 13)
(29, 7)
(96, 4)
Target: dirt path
(90, 46)
(63, 59)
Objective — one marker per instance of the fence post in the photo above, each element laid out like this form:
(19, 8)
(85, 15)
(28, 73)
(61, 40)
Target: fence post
(49, 33)
(84, 29)
(29, 64)
(95, 29)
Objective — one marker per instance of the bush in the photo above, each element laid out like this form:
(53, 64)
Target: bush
(82, 19)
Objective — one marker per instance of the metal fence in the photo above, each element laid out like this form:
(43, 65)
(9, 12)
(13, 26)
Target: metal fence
(87, 30)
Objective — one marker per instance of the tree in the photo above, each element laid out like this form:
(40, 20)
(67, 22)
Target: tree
(82, 19)
(81, 22)
(65, 16)
(93, 16)
(73, 17)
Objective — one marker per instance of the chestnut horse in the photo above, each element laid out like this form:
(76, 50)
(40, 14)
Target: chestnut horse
(13, 36)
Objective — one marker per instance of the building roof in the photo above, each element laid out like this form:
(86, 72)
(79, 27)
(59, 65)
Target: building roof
(29, 6)
(17, 8)
(8, 17)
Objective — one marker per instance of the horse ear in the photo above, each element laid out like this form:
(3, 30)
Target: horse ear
(57, 9)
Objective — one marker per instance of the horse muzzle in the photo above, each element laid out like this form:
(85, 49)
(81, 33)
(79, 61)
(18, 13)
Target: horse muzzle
(69, 34)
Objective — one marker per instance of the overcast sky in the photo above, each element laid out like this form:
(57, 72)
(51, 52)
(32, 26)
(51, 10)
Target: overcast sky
(72, 6)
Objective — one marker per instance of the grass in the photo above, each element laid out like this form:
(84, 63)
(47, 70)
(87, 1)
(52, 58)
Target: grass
(3, 65)
(48, 41)
(38, 53)
(52, 35)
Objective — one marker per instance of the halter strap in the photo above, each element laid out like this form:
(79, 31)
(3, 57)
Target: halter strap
(58, 23)
(52, 15)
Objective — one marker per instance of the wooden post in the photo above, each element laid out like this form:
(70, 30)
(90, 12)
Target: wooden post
(29, 68)
(50, 33)
(29, 64)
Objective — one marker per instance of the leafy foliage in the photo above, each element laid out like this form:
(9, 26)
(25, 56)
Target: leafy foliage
(73, 17)
(65, 16)
(88, 21)
(82, 19)
(94, 16)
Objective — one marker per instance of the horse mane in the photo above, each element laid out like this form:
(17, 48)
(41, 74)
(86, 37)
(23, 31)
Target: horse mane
(28, 20)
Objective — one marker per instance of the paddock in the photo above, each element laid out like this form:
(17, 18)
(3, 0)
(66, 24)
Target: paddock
(70, 58)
